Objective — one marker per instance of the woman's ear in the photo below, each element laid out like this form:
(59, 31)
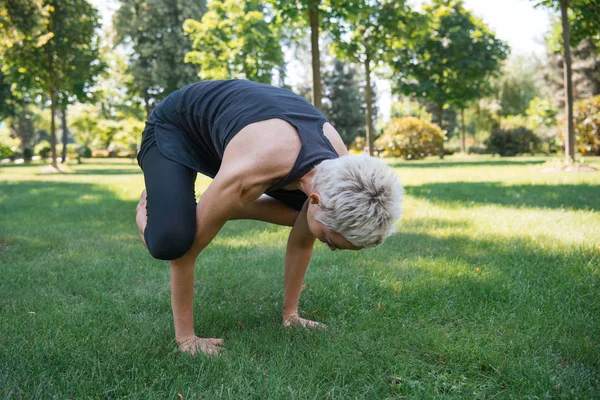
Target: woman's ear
(315, 199)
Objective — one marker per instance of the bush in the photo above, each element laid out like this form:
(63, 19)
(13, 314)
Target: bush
(43, 149)
(101, 153)
(84, 152)
(5, 151)
(358, 144)
(510, 142)
(410, 138)
(27, 154)
(586, 123)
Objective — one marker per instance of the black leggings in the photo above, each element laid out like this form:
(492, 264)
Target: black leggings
(170, 207)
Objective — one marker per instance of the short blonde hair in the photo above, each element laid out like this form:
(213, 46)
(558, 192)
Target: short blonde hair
(361, 198)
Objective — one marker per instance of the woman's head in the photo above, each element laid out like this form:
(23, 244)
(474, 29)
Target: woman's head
(355, 196)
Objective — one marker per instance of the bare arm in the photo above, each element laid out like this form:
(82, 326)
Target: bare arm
(268, 209)
(297, 257)
(225, 196)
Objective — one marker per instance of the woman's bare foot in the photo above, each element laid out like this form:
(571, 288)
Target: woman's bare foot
(211, 346)
(295, 320)
(141, 218)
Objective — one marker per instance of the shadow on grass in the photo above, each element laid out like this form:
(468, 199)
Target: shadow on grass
(577, 197)
(474, 163)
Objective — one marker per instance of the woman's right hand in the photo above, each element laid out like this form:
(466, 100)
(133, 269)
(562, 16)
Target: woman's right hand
(209, 346)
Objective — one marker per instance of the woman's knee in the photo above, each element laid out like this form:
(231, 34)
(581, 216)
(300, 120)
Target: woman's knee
(170, 243)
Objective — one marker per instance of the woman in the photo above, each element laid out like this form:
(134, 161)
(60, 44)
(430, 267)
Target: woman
(254, 139)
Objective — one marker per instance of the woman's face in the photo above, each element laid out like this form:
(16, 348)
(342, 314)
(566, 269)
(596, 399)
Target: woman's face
(333, 240)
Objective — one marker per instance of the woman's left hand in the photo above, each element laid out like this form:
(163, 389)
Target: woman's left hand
(294, 320)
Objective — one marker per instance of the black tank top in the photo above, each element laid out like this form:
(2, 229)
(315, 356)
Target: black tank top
(194, 125)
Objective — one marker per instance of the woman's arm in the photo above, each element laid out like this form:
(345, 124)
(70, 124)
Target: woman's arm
(268, 209)
(226, 195)
(297, 257)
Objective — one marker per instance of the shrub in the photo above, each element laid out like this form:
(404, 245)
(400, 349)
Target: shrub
(358, 144)
(510, 142)
(43, 149)
(27, 154)
(5, 151)
(410, 138)
(84, 152)
(586, 123)
(101, 153)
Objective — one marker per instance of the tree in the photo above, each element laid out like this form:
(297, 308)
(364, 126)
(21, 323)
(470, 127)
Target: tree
(585, 24)
(343, 105)
(316, 15)
(517, 85)
(51, 47)
(152, 30)
(365, 35)
(451, 60)
(85, 126)
(585, 59)
(7, 98)
(235, 39)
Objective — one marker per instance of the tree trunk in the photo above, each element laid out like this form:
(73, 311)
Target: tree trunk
(369, 110)
(463, 147)
(65, 136)
(568, 83)
(440, 118)
(53, 126)
(313, 14)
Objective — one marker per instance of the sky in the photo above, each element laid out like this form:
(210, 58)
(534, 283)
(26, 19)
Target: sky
(516, 22)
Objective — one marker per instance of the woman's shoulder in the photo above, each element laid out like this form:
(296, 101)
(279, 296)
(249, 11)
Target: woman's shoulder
(267, 149)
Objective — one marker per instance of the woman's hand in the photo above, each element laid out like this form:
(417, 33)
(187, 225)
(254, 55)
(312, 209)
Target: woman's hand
(211, 347)
(295, 320)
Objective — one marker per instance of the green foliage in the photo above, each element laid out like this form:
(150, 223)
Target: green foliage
(7, 97)
(235, 39)
(369, 29)
(93, 130)
(5, 151)
(343, 105)
(542, 113)
(43, 149)
(585, 69)
(583, 18)
(51, 49)
(586, 118)
(518, 84)
(52, 46)
(22, 125)
(152, 31)
(510, 142)
(406, 107)
(410, 138)
(84, 125)
(451, 59)
(8, 144)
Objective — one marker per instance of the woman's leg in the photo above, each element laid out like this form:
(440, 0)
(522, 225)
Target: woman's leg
(170, 206)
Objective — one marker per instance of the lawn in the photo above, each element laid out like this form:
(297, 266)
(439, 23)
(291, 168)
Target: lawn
(490, 289)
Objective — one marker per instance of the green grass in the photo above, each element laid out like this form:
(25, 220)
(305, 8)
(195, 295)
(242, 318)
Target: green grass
(490, 289)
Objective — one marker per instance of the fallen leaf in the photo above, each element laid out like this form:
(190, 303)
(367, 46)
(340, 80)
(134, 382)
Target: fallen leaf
(478, 270)
(180, 396)
(379, 307)
(31, 313)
